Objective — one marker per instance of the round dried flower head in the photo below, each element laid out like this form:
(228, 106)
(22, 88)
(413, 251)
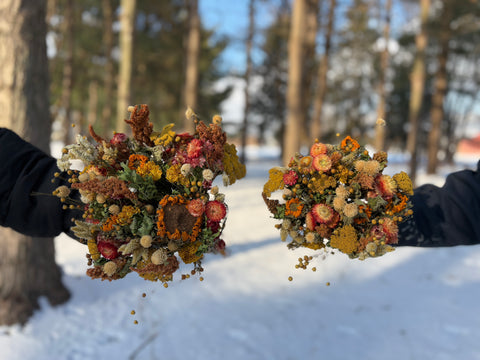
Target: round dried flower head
(386, 186)
(131, 108)
(322, 163)
(318, 149)
(350, 210)
(287, 192)
(310, 237)
(372, 167)
(286, 224)
(159, 257)
(214, 190)
(114, 209)
(306, 161)
(196, 207)
(110, 268)
(360, 165)
(62, 191)
(217, 120)
(207, 174)
(83, 177)
(371, 248)
(101, 198)
(290, 178)
(339, 203)
(220, 197)
(342, 191)
(172, 246)
(185, 169)
(146, 241)
(215, 210)
(322, 213)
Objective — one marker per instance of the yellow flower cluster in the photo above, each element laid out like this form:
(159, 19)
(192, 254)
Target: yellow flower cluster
(125, 216)
(345, 240)
(231, 163)
(150, 169)
(275, 181)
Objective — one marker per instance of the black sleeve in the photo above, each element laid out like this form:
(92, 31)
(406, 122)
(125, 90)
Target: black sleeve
(445, 216)
(25, 170)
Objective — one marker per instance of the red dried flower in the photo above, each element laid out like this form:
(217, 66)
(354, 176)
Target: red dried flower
(322, 213)
(215, 210)
(194, 148)
(290, 178)
(118, 138)
(107, 249)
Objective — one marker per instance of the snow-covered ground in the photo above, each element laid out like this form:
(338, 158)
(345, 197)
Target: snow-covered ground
(409, 304)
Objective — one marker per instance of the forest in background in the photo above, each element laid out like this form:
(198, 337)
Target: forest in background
(317, 68)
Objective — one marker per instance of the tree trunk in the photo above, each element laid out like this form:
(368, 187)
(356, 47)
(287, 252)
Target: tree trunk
(380, 128)
(67, 78)
(316, 124)
(248, 74)
(127, 25)
(27, 265)
(191, 70)
(294, 92)
(312, 24)
(92, 103)
(109, 68)
(417, 85)
(440, 91)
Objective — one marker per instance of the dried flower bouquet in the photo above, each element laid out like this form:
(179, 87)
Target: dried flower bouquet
(148, 202)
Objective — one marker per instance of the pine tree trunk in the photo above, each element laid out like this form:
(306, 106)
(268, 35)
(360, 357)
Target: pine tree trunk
(109, 68)
(440, 91)
(380, 128)
(127, 24)
(67, 79)
(294, 92)
(316, 124)
(191, 70)
(417, 85)
(247, 75)
(27, 265)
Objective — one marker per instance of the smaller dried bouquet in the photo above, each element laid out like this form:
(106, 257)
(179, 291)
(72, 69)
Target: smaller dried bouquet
(337, 197)
(149, 202)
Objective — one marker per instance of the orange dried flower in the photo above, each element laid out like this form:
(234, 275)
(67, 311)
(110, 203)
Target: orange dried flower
(294, 207)
(349, 144)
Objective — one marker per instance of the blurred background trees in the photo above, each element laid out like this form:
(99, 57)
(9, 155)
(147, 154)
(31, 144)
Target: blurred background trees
(353, 60)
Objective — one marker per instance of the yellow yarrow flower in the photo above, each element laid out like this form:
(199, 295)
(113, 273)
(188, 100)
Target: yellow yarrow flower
(125, 216)
(92, 249)
(404, 183)
(150, 169)
(165, 137)
(275, 181)
(231, 164)
(345, 240)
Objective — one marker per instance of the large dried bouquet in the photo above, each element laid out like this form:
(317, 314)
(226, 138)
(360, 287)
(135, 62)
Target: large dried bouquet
(148, 201)
(337, 197)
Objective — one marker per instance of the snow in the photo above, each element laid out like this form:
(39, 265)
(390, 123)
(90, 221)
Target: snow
(409, 304)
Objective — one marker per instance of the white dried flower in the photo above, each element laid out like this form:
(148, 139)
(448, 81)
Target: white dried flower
(350, 210)
(226, 179)
(110, 268)
(83, 177)
(159, 257)
(310, 237)
(114, 209)
(207, 174)
(62, 191)
(146, 241)
(185, 169)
